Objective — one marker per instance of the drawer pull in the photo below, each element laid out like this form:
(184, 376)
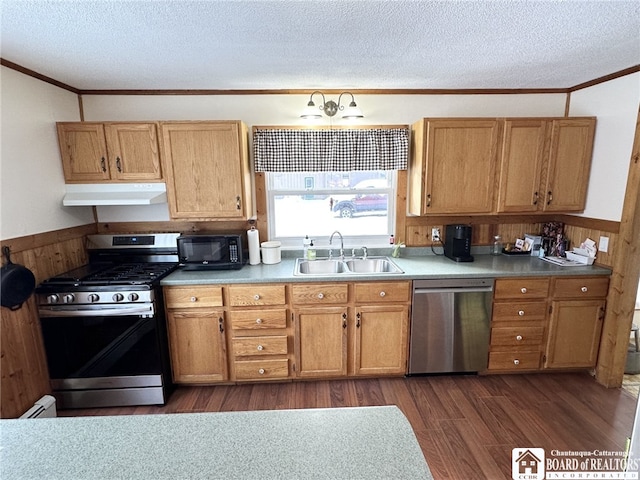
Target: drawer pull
(256, 297)
(584, 289)
(516, 362)
(523, 290)
(521, 312)
(260, 347)
(382, 294)
(261, 371)
(194, 299)
(321, 296)
(518, 337)
(258, 321)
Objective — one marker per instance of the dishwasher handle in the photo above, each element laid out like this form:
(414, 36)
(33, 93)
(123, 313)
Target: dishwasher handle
(417, 291)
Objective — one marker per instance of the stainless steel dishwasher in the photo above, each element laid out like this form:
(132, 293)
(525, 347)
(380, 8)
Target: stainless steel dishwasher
(450, 325)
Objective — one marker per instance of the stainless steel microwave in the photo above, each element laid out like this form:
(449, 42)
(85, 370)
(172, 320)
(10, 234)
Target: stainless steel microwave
(211, 252)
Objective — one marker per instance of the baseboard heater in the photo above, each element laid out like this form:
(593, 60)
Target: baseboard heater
(43, 408)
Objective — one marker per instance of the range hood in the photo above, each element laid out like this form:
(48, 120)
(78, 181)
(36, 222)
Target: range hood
(92, 194)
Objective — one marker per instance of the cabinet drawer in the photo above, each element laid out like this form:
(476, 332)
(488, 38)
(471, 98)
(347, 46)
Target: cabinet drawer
(375, 292)
(519, 311)
(514, 360)
(587, 287)
(517, 336)
(261, 369)
(267, 345)
(257, 319)
(193, 296)
(521, 288)
(248, 295)
(319, 293)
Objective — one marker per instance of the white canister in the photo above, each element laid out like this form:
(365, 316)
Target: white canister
(271, 252)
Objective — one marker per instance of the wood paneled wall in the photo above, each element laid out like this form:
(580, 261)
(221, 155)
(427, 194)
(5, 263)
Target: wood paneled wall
(23, 368)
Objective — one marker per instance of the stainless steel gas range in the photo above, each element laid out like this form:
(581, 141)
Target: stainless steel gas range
(104, 327)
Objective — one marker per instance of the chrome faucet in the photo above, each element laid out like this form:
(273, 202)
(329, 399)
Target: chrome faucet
(341, 243)
(364, 253)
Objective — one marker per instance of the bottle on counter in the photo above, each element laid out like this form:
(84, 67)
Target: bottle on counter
(305, 246)
(311, 252)
(496, 248)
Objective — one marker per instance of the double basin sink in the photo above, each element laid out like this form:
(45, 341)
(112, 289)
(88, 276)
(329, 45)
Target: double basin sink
(348, 266)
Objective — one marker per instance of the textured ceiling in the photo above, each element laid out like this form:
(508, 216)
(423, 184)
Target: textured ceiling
(162, 44)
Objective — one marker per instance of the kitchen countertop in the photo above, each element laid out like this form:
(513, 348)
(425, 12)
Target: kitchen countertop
(414, 267)
(334, 443)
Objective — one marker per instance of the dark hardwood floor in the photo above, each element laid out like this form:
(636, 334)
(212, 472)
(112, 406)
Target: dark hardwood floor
(466, 425)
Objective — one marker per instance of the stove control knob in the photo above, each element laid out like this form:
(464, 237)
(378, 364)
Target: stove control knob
(93, 297)
(53, 298)
(68, 298)
(133, 297)
(118, 297)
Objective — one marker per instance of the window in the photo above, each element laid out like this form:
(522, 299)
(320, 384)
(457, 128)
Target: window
(359, 204)
(322, 180)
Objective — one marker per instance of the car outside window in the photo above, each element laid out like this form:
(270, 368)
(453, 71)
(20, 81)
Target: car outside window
(359, 204)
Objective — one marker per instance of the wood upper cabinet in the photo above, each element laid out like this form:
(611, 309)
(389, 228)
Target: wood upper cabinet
(207, 170)
(570, 152)
(453, 166)
(109, 152)
(545, 164)
(522, 156)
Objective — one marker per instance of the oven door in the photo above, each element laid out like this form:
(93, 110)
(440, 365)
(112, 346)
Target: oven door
(111, 346)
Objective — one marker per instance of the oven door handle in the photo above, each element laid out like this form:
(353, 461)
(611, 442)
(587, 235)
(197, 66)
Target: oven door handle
(80, 312)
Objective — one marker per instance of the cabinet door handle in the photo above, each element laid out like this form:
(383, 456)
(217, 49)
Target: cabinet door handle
(428, 200)
(584, 289)
(535, 198)
(516, 362)
(518, 337)
(220, 322)
(238, 204)
(521, 313)
(344, 320)
(523, 290)
(358, 316)
(103, 164)
(549, 197)
(118, 164)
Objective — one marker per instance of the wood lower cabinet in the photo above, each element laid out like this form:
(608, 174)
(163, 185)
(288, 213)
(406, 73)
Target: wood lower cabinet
(207, 170)
(382, 328)
(575, 325)
(351, 329)
(109, 152)
(196, 328)
(546, 323)
(261, 341)
(518, 324)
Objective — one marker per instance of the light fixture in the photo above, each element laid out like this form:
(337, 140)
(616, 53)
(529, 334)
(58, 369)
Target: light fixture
(330, 108)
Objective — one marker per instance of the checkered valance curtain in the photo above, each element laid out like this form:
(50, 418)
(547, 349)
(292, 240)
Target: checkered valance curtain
(283, 150)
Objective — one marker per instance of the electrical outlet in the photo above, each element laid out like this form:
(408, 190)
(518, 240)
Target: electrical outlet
(604, 244)
(435, 234)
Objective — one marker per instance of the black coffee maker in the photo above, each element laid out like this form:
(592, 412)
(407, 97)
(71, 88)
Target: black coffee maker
(457, 243)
